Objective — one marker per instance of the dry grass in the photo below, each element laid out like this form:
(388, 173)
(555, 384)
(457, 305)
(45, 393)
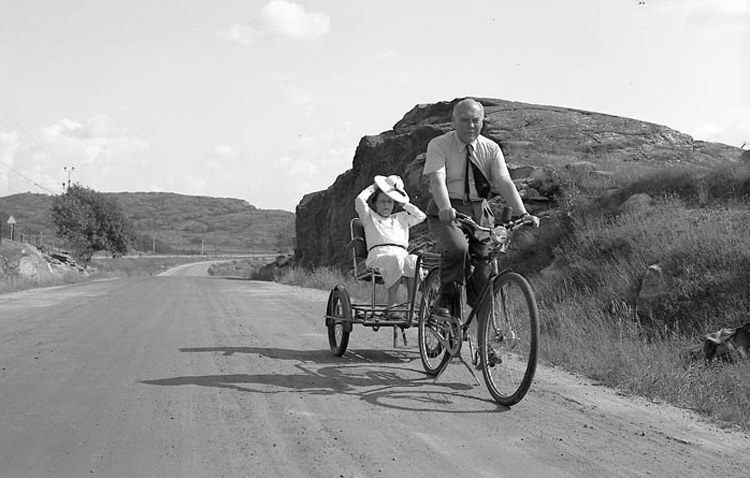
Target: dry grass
(325, 278)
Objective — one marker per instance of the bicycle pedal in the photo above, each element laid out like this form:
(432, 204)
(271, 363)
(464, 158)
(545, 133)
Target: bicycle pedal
(477, 361)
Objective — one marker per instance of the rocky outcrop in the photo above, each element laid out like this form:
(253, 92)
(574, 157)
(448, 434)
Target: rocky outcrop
(35, 264)
(654, 288)
(537, 141)
(728, 344)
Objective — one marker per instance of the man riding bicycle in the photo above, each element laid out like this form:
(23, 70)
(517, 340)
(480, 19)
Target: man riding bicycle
(464, 168)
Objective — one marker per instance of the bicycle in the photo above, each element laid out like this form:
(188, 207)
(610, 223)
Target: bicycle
(508, 328)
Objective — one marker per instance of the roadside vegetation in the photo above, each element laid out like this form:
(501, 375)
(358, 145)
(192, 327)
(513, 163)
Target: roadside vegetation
(99, 268)
(89, 222)
(697, 228)
(241, 268)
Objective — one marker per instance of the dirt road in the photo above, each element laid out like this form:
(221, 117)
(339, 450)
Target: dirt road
(188, 376)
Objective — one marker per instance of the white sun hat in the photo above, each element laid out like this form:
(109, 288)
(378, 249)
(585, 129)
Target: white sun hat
(393, 186)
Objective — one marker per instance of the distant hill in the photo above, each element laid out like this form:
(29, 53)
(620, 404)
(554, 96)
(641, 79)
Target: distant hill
(171, 222)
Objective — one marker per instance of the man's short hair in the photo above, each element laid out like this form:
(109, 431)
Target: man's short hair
(466, 101)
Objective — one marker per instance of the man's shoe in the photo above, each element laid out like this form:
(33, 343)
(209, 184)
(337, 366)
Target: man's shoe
(441, 306)
(492, 359)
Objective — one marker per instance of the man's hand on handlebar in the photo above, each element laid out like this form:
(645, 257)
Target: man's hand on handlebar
(526, 219)
(447, 214)
(530, 219)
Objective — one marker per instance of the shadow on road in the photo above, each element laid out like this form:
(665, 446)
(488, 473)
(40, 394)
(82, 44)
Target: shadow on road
(315, 356)
(391, 385)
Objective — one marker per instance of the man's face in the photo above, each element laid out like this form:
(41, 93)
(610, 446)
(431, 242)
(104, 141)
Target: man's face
(384, 205)
(468, 122)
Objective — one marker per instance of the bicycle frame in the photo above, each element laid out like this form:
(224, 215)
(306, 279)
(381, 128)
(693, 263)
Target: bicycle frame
(452, 344)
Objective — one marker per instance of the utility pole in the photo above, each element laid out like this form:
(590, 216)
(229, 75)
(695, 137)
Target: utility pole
(69, 170)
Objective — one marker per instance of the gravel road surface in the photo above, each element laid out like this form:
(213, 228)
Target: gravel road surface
(184, 375)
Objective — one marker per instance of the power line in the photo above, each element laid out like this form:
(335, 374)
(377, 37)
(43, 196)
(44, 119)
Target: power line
(34, 143)
(23, 130)
(27, 179)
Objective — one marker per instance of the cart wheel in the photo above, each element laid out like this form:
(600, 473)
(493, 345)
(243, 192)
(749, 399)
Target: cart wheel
(431, 351)
(338, 320)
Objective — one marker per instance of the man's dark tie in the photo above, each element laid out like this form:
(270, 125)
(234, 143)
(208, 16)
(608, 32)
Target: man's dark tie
(467, 193)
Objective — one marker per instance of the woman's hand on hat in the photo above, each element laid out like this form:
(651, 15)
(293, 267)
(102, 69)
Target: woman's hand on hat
(396, 181)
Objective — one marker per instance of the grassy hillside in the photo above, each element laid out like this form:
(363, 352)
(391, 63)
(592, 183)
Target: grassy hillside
(697, 228)
(172, 222)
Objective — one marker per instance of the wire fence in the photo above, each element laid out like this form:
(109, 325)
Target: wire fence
(46, 241)
(42, 240)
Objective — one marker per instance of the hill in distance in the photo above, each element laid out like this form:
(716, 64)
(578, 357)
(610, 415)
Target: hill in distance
(171, 222)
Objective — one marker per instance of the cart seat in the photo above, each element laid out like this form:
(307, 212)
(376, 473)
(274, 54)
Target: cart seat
(358, 244)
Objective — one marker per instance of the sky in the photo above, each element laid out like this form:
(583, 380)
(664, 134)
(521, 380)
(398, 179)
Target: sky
(267, 100)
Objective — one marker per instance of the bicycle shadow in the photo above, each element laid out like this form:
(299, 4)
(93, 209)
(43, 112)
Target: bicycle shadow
(392, 385)
(314, 356)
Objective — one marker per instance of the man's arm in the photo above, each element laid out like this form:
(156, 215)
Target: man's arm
(440, 195)
(503, 184)
(507, 189)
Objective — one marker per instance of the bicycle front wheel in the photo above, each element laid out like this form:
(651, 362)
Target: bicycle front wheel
(507, 338)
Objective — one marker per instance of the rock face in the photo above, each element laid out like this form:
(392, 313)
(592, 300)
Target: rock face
(536, 140)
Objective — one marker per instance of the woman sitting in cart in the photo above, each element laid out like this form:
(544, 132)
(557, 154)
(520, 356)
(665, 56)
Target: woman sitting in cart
(387, 233)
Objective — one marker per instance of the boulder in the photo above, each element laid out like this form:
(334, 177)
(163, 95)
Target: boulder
(536, 141)
(637, 202)
(655, 286)
(728, 344)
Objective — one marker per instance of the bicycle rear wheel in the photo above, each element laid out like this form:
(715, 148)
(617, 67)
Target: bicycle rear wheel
(507, 338)
(431, 351)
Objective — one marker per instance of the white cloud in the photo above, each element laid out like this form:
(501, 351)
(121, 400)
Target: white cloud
(99, 150)
(196, 185)
(225, 151)
(283, 18)
(290, 19)
(9, 147)
(310, 162)
(95, 142)
(711, 13)
(301, 97)
(734, 131)
(243, 34)
(386, 55)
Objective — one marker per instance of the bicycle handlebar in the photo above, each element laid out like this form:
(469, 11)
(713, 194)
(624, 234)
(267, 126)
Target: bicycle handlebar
(509, 224)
